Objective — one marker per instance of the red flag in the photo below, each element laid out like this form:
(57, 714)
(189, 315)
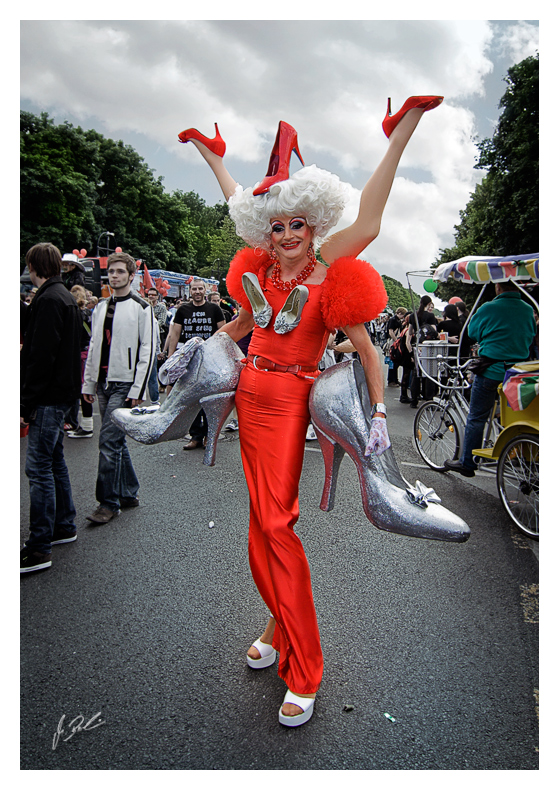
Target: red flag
(147, 282)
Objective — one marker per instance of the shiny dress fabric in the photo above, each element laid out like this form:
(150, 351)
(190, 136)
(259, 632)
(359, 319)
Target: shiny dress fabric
(273, 415)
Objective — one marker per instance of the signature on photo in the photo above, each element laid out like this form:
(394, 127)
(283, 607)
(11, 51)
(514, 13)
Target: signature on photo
(76, 725)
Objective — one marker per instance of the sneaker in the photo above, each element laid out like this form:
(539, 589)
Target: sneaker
(145, 409)
(102, 515)
(61, 535)
(311, 434)
(456, 466)
(129, 501)
(30, 560)
(79, 433)
(232, 426)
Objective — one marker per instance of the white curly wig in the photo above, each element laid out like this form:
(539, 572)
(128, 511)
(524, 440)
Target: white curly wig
(317, 195)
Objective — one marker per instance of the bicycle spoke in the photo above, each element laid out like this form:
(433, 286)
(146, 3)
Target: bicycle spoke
(518, 481)
(436, 435)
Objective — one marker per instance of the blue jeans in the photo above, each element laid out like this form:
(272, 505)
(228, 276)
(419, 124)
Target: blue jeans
(50, 492)
(482, 400)
(153, 384)
(116, 478)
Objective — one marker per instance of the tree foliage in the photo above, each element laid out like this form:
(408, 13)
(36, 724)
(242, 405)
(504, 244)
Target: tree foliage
(398, 295)
(501, 217)
(75, 184)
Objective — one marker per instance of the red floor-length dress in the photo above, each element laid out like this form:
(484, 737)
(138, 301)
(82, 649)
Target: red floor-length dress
(273, 415)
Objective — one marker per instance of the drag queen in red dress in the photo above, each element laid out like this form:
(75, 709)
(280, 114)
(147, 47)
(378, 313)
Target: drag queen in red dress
(292, 302)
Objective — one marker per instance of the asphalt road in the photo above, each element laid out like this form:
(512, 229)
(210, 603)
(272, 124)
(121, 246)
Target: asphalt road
(146, 621)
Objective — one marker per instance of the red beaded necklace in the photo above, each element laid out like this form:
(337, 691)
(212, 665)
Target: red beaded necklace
(289, 285)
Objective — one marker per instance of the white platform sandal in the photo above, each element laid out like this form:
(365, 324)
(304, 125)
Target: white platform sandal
(306, 703)
(267, 656)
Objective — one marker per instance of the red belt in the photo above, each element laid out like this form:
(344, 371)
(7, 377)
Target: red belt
(261, 363)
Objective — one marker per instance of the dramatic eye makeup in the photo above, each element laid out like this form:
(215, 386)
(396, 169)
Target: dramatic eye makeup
(297, 223)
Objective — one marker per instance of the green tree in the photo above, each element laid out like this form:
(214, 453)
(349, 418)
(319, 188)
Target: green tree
(511, 158)
(398, 295)
(224, 243)
(501, 217)
(76, 184)
(58, 176)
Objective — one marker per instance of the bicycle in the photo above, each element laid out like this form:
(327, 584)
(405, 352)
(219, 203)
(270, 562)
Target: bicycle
(439, 424)
(511, 437)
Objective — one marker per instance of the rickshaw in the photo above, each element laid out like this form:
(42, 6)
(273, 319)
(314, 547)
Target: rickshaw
(511, 440)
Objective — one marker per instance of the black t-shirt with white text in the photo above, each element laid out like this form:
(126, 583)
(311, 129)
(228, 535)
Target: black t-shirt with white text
(198, 321)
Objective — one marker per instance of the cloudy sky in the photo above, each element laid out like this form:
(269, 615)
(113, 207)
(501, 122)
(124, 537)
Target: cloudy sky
(145, 81)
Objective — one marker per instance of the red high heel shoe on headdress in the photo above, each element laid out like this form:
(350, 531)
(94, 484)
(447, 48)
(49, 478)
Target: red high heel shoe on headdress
(420, 102)
(216, 146)
(278, 168)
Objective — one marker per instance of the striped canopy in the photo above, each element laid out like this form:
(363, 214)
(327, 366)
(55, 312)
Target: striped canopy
(497, 270)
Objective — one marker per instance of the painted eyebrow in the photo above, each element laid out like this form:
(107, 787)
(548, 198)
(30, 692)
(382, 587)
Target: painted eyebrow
(292, 219)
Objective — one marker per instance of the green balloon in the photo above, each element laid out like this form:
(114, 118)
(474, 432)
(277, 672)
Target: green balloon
(430, 286)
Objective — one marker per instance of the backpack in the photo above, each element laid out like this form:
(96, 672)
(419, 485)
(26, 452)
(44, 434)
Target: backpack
(399, 351)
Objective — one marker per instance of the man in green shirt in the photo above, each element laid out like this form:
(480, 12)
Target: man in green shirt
(504, 329)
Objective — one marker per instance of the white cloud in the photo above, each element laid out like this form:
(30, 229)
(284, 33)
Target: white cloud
(518, 41)
(329, 79)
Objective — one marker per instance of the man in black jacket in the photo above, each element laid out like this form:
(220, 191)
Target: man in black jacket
(50, 384)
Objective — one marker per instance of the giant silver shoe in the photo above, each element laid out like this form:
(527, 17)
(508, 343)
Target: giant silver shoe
(208, 383)
(340, 408)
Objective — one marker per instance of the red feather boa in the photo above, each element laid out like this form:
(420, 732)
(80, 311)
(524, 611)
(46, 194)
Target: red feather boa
(353, 291)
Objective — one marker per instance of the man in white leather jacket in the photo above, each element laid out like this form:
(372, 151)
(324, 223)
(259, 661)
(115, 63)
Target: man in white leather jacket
(119, 361)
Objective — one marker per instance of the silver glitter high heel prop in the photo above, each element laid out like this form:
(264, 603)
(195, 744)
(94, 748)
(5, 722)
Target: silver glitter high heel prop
(261, 310)
(290, 314)
(209, 383)
(339, 405)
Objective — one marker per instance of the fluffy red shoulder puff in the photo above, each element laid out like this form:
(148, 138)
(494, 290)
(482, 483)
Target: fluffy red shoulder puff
(246, 260)
(353, 293)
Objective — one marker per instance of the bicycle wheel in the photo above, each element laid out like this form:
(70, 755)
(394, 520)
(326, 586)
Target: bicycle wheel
(518, 482)
(436, 435)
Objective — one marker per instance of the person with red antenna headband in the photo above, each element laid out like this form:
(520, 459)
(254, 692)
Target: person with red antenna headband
(292, 302)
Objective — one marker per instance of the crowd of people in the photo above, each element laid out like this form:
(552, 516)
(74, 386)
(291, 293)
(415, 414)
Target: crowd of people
(171, 323)
(410, 328)
(77, 349)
